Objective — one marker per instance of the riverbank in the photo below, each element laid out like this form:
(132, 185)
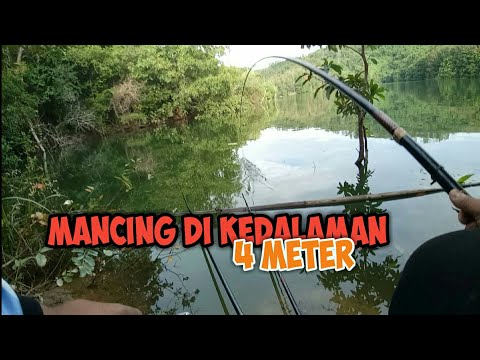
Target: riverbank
(135, 129)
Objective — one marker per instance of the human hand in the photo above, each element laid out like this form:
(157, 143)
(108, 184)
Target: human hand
(87, 307)
(469, 214)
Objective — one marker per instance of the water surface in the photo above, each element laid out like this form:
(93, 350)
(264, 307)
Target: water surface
(303, 152)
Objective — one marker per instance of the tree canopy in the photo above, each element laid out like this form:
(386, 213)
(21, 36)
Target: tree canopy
(391, 63)
(65, 90)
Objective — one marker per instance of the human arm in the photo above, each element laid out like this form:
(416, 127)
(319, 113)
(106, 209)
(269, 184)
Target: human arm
(87, 307)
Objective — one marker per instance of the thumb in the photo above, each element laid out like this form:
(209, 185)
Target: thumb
(464, 202)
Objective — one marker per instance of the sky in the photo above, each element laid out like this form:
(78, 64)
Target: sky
(247, 55)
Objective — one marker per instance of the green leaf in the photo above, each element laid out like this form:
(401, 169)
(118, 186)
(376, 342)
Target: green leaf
(41, 260)
(301, 76)
(59, 282)
(464, 178)
(329, 91)
(108, 252)
(83, 272)
(90, 261)
(77, 262)
(316, 92)
(45, 249)
(336, 68)
(373, 61)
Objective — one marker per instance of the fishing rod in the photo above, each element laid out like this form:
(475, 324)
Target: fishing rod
(279, 275)
(436, 171)
(229, 292)
(296, 309)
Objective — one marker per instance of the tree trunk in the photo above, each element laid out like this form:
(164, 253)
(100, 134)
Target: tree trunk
(366, 143)
(41, 148)
(19, 55)
(362, 134)
(365, 68)
(361, 139)
(361, 169)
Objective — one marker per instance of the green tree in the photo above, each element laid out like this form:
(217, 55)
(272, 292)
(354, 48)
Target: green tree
(360, 82)
(57, 96)
(394, 63)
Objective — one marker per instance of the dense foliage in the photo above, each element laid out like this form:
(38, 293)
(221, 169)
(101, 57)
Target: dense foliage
(65, 90)
(54, 97)
(391, 63)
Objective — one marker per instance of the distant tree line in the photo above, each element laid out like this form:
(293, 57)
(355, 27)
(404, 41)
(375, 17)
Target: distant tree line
(392, 63)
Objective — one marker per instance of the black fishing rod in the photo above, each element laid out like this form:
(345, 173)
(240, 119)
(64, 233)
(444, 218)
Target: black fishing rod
(295, 307)
(229, 292)
(436, 171)
(279, 275)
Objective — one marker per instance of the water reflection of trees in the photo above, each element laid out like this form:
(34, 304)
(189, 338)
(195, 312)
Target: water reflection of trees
(138, 278)
(370, 284)
(426, 109)
(445, 92)
(201, 161)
